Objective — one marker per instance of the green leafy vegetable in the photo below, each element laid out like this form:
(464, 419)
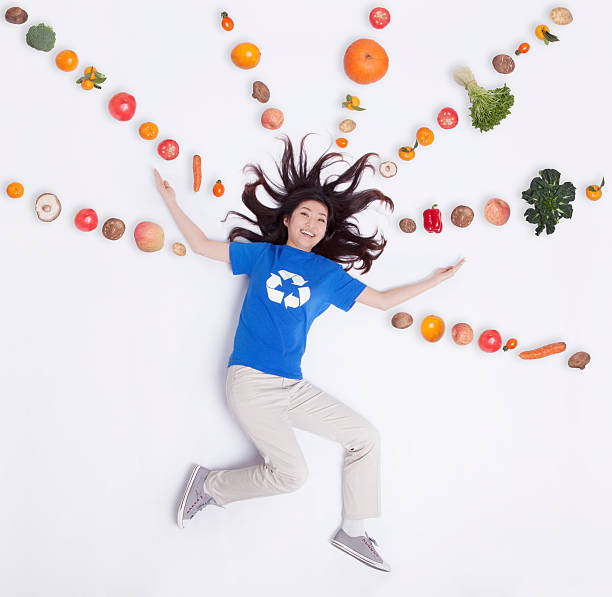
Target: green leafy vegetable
(488, 107)
(41, 37)
(550, 200)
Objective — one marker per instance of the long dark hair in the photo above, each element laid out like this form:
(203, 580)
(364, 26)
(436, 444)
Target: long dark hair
(343, 242)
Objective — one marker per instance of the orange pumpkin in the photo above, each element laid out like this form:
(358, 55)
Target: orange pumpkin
(365, 61)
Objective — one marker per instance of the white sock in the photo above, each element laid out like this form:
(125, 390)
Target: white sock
(354, 528)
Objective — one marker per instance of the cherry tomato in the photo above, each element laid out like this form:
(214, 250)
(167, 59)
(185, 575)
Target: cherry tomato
(522, 49)
(86, 220)
(448, 118)
(511, 344)
(226, 22)
(341, 142)
(379, 17)
(218, 189)
(168, 149)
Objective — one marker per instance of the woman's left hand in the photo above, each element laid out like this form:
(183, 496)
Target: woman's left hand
(443, 273)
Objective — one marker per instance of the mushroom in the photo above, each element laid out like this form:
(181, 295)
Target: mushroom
(561, 16)
(16, 15)
(260, 92)
(503, 64)
(113, 228)
(388, 169)
(48, 207)
(579, 360)
(347, 125)
(407, 225)
(401, 320)
(462, 216)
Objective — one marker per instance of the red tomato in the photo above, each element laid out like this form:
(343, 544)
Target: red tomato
(379, 17)
(86, 220)
(490, 341)
(448, 118)
(122, 106)
(168, 149)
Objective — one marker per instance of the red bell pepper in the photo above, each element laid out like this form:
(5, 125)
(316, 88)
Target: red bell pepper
(432, 219)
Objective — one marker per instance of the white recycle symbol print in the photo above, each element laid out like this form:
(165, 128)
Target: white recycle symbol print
(278, 296)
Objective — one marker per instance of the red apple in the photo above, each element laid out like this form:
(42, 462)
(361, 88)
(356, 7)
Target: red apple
(122, 106)
(490, 341)
(272, 118)
(149, 236)
(497, 211)
(462, 333)
(86, 220)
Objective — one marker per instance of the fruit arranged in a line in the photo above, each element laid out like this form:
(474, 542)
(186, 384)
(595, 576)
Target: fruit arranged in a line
(341, 142)
(352, 103)
(86, 220)
(448, 118)
(503, 64)
(432, 328)
(522, 49)
(579, 360)
(218, 189)
(407, 225)
(16, 15)
(497, 211)
(246, 55)
(122, 106)
(462, 216)
(593, 192)
(67, 60)
(510, 345)
(41, 37)
(179, 249)
(432, 219)
(113, 229)
(561, 16)
(425, 136)
(168, 149)
(148, 130)
(260, 92)
(379, 17)
(272, 119)
(14, 190)
(388, 169)
(402, 320)
(490, 341)
(365, 61)
(92, 78)
(197, 172)
(226, 22)
(48, 207)
(149, 237)
(406, 152)
(462, 333)
(347, 125)
(543, 32)
(543, 351)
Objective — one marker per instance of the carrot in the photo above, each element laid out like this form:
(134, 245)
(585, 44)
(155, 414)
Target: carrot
(543, 351)
(197, 172)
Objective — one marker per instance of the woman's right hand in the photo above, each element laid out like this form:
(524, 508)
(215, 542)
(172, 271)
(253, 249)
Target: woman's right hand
(164, 188)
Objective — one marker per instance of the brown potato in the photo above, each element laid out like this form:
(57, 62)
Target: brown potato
(561, 16)
(388, 169)
(347, 125)
(462, 216)
(401, 320)
(407, 225)
(179, 249)
(503, 64)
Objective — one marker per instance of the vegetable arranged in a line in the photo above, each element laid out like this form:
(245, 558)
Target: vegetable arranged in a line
(16, 15)
(379, 17)
(550, 200)
(122, 106)
(406, 152)
(448, 118)
(14, 190)
(593, 192)
(352, 103)
(510, 345)
(432, 219)
(543, 32)
(41, 37)
(67, 60)
(522, 49)
(226, 22)
(425, 136)
(543, 351)
(488, 107)
(168, 149)
(218, 189)
(92, 78)
(561, 16)
(579, 360)
(197, 172)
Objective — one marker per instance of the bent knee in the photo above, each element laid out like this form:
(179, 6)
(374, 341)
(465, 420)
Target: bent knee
(292, 479)
(366, 438)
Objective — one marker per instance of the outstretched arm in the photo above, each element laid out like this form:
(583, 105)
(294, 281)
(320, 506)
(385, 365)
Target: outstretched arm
(197, 240)
(387, 299)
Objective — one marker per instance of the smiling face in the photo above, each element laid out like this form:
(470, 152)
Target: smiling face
(307, 225)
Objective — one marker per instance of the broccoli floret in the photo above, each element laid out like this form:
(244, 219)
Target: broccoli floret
(41, 37)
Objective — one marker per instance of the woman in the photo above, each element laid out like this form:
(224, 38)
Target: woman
(295, 273)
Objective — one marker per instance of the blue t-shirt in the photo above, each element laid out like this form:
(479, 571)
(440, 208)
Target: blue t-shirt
(288, 288)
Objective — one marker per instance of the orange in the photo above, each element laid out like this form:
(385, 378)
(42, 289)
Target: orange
(432, 328)
(87, 84)
(148, 130)
(540, 31)
(406, 153)
(425, 136)
(14, 190)
(365, 61)
(67, 60)
(246, 55)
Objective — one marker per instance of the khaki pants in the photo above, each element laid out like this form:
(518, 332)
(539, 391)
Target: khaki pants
(267, 407)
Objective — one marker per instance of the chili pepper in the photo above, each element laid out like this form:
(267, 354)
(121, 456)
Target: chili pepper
(432, 219)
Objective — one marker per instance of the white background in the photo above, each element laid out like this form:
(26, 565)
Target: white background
(495, 470)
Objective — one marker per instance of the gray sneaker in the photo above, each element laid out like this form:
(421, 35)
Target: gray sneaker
(362, 548)
(194, 498)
